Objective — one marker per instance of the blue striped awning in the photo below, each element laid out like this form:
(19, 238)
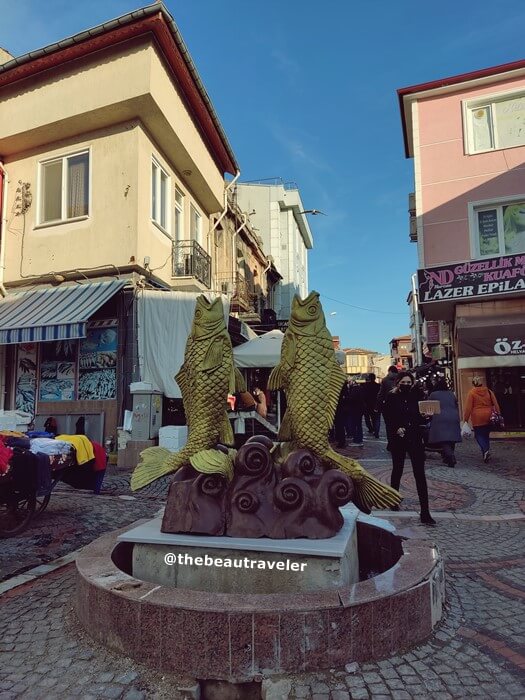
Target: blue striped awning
(53, 313)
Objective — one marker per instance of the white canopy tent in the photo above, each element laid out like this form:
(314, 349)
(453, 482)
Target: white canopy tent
(265, 351)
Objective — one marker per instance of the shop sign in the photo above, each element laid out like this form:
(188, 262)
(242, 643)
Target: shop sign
(432, 332)
(489, 341)
(475, 278)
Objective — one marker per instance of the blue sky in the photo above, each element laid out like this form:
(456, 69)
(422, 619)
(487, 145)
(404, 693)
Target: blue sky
(306, 91)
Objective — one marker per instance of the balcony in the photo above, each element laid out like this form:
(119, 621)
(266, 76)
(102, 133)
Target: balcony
(190, 260)
(243, 300)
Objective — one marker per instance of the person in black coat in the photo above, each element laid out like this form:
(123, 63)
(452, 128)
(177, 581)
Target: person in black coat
(370, 391)
(404, 420)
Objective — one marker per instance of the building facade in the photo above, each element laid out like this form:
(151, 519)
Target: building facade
(277, 214)
(467, 137)
(112, 180)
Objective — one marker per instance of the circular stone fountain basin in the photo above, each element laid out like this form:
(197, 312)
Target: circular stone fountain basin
(237, 636)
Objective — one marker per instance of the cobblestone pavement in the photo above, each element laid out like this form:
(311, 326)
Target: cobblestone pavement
(477, 651)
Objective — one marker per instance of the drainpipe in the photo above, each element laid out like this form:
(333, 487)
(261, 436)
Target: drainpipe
(3, 227)
(221, 217)
(234, 252)
(415, 305)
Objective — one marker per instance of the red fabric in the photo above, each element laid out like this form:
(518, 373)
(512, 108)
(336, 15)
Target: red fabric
(100, 457)
(5, 455)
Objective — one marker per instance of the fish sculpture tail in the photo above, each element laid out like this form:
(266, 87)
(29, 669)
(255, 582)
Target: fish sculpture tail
(370, 492)
(155, 463)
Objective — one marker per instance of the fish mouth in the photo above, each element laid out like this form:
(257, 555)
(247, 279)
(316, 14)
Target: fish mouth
(312, 297)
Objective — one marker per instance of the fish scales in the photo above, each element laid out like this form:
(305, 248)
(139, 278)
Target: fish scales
(312, 380)
(205, 379)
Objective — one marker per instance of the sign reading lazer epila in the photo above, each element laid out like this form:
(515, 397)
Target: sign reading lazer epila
(475, 278)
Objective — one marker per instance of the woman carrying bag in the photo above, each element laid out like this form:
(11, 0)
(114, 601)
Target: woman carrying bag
(444, 428)
(483, 410)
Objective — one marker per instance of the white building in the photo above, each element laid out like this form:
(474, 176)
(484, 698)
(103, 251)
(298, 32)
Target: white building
(276, 212)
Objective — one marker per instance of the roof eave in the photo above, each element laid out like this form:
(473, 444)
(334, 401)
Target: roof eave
(153, 19)
(456, 80)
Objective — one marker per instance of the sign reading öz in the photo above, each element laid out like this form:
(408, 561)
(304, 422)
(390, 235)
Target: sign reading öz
(475, 278)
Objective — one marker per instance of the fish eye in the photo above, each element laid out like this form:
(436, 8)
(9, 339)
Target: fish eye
(312, 309)
(198, 313)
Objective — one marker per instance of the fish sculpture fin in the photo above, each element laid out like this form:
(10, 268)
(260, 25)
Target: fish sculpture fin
(285, 431)
(213, 462)
(214, 355)
(370, 492)
(226, 436)
(276, 378)
(335, 384)
(239, 381)
(279, 375)
(182, 380)
(156, 462)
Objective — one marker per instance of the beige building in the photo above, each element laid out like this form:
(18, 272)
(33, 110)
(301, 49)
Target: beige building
(360, 361)
(112, 166)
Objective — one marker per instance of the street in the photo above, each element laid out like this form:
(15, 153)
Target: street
(477, 650)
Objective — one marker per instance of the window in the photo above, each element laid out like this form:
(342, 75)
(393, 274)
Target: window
(179, 215)
(159, 195)
(195, 225)
(495, 123)
(499, 229)
(64, 188)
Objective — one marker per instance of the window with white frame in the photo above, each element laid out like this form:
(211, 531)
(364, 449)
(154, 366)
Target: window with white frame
(159, 195)
(495, 123)
(499, 229)
(64, 188)
(179, 215)
(195, 225)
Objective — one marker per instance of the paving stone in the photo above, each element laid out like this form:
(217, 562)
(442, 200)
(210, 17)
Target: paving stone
(126, 678)
(339, 695)
(360, 694)
(134, 694)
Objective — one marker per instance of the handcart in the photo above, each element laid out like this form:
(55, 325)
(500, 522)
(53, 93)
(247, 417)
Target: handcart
(22, 497)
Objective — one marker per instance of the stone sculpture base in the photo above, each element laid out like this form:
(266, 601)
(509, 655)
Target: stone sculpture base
(296, 497)
(237, 636)
(235, 565)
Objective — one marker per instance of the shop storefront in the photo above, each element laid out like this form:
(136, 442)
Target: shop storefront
(63, 353)
(484, 301)
(494, 347)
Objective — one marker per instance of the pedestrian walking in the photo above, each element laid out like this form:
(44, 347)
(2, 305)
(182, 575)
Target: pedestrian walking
(445, 429)
(403, 422)
(386, 386)
(356, 409)
(478, 409)
(341, 415)
(370, 391)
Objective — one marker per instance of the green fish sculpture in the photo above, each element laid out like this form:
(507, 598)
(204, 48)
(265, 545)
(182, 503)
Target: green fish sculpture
(312, 380)
(205, 379)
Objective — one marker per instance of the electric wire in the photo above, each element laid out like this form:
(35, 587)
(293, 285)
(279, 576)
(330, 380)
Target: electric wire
(363, 308)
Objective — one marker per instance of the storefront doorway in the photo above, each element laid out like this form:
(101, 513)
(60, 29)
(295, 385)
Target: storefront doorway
(508, 385)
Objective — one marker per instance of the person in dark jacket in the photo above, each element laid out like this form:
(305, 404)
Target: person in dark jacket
(354, 423)
(341, 415)
(370, 391)
(445, 428)
(403, 420)
(349, 415)
(387, 384)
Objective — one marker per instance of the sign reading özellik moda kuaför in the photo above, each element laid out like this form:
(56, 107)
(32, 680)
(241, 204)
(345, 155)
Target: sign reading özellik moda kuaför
(474, 278)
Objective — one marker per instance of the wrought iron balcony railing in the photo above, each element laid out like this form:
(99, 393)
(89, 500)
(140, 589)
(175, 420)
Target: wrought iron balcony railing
(239, 288)
(191, 260)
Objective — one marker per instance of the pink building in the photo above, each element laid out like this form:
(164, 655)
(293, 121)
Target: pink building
(466, 135)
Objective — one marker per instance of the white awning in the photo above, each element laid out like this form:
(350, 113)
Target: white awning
(265, 351)
(52, 313)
